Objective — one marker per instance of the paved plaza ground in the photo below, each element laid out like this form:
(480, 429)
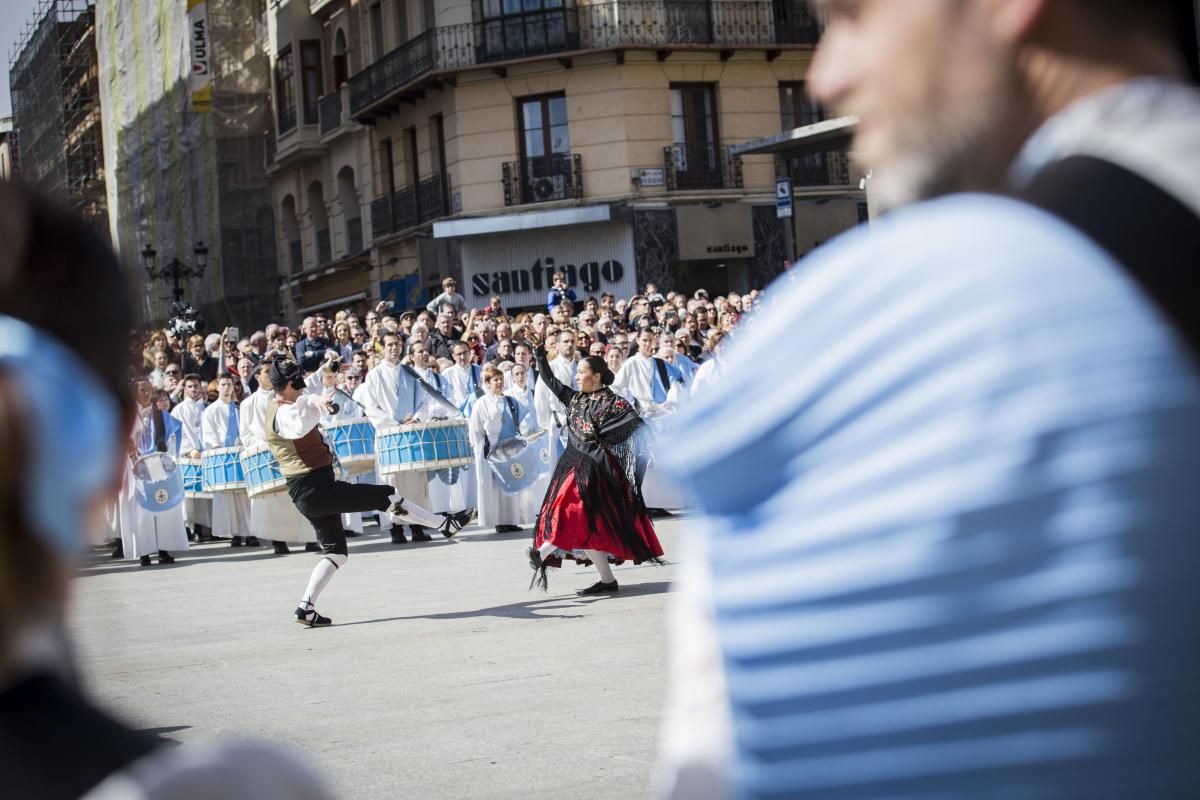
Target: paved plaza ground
(441, 678)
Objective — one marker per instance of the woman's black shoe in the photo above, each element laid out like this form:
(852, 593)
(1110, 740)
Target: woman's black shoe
(600, 587)
(165, 558)
(145, 561)
(539, 579)
(456, 521)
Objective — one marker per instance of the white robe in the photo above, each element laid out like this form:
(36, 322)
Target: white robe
(389, 395)
(231, 510)
(190, 413)
(495, 506)
(635, 382)
(462, 492)
(531, 498)
(551, 414)
(274, 516)
(143, 532)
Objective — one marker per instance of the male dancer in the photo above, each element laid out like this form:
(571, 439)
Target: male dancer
(290, 429)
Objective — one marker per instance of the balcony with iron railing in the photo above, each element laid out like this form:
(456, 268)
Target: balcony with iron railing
(658, 24)
(354, 236)
(329, 110)
(700, 167)
(406, 208)
(296, 256)
(287, 120)
(830, 168)
(542, 179)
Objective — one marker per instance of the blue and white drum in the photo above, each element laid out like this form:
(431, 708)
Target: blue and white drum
(193, 478)
(423, 446)
(353, 442)
(157, 482)
(261, 469)
(517, 462)
(222, 470)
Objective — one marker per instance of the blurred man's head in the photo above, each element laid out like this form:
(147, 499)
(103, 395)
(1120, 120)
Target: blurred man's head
(946, 91)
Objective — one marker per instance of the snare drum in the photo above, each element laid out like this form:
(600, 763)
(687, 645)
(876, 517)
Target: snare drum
(519, 461)
(193, 478)
(423, 446)
(262, 471)
(353, 441)
(222, 470)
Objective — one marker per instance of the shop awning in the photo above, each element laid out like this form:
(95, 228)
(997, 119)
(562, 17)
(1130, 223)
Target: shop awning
(527, 220)
(830, 134)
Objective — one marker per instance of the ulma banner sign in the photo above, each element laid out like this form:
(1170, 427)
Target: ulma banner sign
(200, 47)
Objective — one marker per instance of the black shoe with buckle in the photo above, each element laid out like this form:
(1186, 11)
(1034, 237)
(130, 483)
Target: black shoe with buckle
(309, 616)
(600, 587)
(456, 521)
(419, 534)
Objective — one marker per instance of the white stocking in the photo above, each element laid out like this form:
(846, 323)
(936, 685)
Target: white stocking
(601, 562)
(415, 515)
(546, 549)
(322, 573)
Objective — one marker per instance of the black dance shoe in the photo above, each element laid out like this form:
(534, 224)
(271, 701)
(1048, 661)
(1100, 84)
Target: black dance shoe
(281, 548)
(398, 536)
(145, 561)
(539, 579)
(508, 528)
(600, 587)
(311, 618)
(456, 521)
(419, 534)
(252, 541)
(235, 542)
(312, 547)
(165, 558)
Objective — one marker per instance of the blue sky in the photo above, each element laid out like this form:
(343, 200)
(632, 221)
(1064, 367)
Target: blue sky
(14, 15)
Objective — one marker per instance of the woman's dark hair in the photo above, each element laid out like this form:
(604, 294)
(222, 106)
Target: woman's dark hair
(596, 364)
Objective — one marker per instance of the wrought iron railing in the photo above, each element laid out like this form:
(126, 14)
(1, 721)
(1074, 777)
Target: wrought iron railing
(702, 166)
(324, 246)
(404, 209)
(330, 107)
(616, 23)
(381, 217)
(269, 147)
(831, 168)
(354, 236)
(542, 178)
(287, 119)
(431, 198)
(296, 253)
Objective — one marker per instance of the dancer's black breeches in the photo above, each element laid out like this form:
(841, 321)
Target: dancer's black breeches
(323, 500)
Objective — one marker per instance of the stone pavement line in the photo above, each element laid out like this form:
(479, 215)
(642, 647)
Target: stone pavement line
(442, 677)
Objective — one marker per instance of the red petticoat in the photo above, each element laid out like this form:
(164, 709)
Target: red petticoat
(564, 522)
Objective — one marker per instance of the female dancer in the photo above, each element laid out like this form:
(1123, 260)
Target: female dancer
(593, 511)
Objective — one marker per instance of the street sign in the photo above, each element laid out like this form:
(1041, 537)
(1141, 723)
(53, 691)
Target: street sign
(651, 176)
(783, 197)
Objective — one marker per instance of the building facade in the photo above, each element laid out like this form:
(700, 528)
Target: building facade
(7, 146)
(56, 107)
(499, 142)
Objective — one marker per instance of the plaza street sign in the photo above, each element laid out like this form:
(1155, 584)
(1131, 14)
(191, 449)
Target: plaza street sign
(783, 197)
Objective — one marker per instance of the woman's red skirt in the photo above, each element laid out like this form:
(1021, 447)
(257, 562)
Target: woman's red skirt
(564, 522)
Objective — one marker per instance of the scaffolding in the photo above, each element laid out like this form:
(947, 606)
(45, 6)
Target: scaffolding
(54, 80)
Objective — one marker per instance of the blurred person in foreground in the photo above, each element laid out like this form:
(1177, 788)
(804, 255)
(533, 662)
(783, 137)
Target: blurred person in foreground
(65, 413)
(951, 553)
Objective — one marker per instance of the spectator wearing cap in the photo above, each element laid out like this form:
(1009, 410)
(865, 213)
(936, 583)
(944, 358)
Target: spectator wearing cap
(448, 297)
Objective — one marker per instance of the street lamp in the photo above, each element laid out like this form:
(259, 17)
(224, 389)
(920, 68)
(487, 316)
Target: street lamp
(175, 271)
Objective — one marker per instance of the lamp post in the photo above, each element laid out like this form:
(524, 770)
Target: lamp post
(175, 270)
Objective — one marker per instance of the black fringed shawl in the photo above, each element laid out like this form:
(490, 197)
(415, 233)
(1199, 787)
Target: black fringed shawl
(607, 455)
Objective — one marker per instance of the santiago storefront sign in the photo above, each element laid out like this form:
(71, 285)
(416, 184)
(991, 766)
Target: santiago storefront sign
(519, 267)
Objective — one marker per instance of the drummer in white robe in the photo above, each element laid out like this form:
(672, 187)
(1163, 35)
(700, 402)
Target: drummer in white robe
(197, 512)
(144, 531)
(551, 414)
(464, 385)
(272, 516)
(640, 380)
(391, 396)
(333, 383)
(446, 486)
(221, 428)
(494, 418)
(520, 391)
